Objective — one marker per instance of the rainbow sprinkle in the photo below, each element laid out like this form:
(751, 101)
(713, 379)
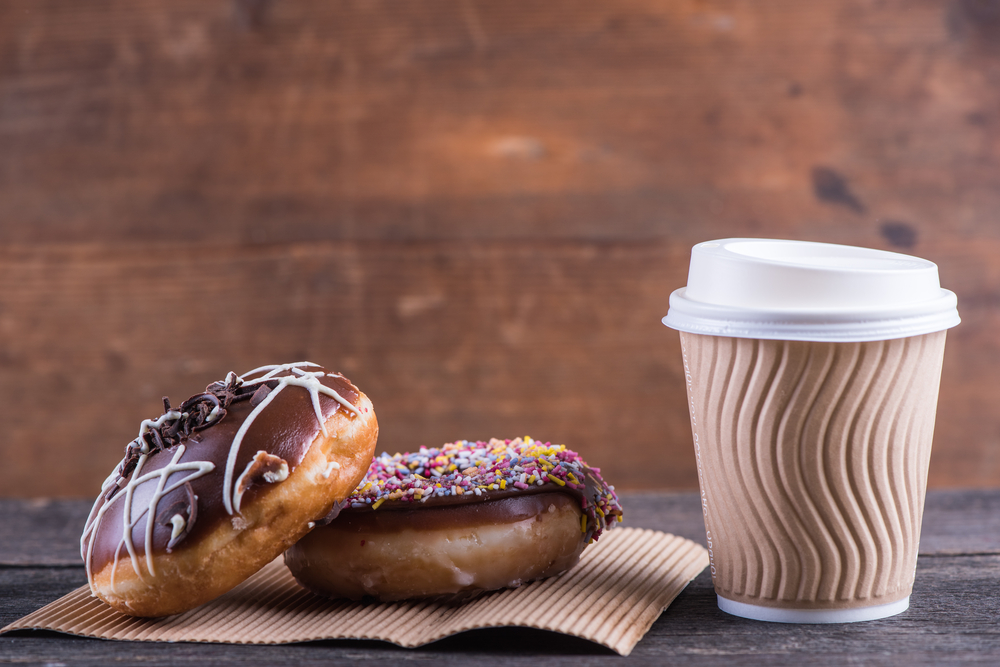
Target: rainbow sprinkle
(486, 470)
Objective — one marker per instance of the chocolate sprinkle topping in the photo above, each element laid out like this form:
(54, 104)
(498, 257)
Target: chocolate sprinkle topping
(196, 413)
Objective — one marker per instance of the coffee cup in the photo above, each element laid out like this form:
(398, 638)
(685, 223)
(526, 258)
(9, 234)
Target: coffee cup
(812, 376)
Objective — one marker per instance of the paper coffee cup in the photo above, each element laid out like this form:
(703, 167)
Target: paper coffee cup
(812, 374)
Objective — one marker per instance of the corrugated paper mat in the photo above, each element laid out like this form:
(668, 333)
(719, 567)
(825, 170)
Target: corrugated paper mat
(611, 597)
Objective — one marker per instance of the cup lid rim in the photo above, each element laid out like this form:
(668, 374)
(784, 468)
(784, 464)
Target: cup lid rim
(803, 290)
(845, 325)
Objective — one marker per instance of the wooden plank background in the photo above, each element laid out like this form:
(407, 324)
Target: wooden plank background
(476, 210)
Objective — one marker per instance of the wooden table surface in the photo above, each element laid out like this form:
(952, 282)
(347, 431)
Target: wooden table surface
(476, 210)
(953, 615)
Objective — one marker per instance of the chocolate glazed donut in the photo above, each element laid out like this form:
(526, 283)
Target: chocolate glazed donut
(213, 490)
(457, 520)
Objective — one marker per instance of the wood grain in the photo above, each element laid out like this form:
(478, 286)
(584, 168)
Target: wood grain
(46, 531)
(952, 617)
(951, 620)
(476, 210)
(449, 341)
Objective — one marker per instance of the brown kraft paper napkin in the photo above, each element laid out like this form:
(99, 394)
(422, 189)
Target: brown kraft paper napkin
(611, 597)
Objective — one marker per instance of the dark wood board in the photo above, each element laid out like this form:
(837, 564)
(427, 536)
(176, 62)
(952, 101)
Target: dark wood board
(476, 210)
(256, 121)
(521, 344)
(46, 532)
(561, 341)
(951, 620)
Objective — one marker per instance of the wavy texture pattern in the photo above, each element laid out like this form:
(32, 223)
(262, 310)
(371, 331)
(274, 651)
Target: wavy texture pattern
(812, 459)
(611, 597)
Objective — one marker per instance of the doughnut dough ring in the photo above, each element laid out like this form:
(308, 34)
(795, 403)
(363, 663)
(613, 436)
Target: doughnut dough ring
(229, 496)
(390, 556)
(465, 518)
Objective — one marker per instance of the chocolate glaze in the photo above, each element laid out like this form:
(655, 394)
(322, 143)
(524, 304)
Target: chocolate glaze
(285, 428)
(493, 511)
(594, 489)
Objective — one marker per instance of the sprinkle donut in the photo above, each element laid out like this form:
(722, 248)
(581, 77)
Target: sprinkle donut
(456, 520)
(214, 489)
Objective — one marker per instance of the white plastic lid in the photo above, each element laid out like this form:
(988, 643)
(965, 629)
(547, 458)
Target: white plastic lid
(797, 290)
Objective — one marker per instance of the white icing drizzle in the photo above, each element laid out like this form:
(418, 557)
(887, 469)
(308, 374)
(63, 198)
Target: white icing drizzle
(330, 467)
(144, 427)
(279, 475)
(309, 380)
(178, 524)
(197, 468)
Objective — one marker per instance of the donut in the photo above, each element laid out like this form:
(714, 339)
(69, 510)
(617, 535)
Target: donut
(214, 489)
(457, 520)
